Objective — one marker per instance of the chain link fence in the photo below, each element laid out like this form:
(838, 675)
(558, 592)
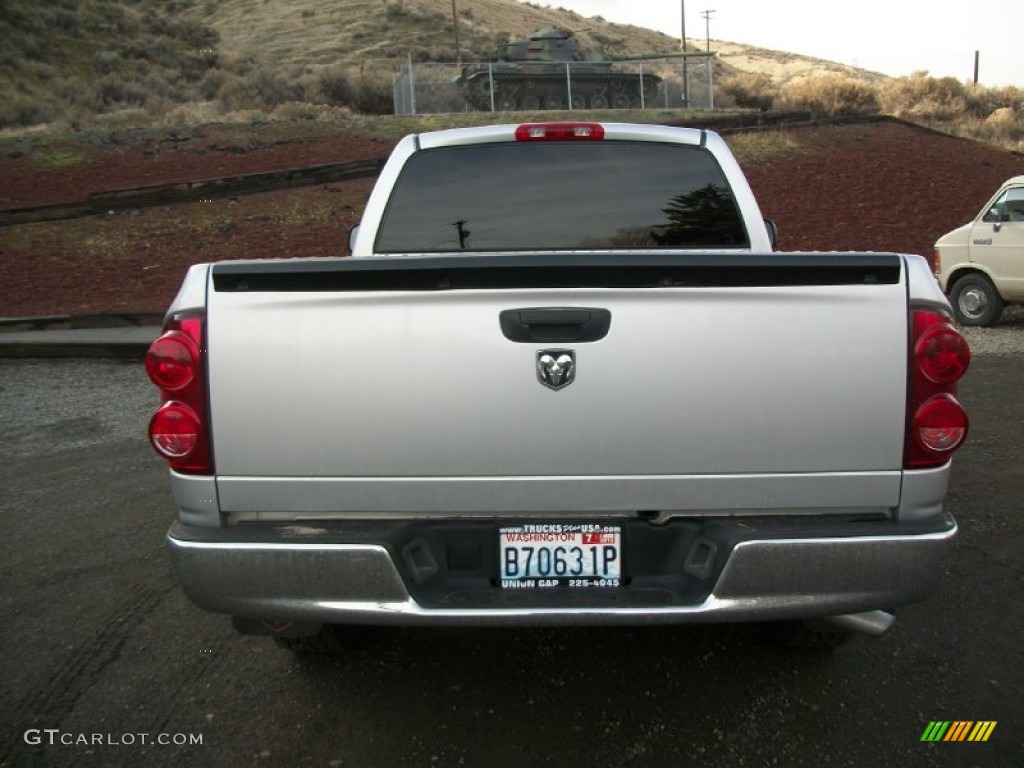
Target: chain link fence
(432, 88)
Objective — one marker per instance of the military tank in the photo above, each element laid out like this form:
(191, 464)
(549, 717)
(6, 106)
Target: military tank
(550, 70)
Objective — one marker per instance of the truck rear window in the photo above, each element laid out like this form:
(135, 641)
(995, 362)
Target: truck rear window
(561, 196)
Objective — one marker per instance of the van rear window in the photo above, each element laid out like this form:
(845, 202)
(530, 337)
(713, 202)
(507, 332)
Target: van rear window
(561, 196)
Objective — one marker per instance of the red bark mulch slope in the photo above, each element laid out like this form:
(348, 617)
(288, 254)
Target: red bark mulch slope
(883, 186)
(877, 186)
(205, 153)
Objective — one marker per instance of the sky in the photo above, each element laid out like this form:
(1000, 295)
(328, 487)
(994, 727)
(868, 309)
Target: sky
(894, 37)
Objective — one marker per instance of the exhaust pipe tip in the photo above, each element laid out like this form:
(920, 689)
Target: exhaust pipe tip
(874, 623)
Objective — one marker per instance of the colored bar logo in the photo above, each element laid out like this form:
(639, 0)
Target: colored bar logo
(958, 730)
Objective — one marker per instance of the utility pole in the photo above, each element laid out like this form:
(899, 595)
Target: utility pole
(682, 47)
(707, 27)
(455, 26)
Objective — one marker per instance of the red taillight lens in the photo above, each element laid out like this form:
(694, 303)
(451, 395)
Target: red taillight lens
(936, 422)
(175, 362)
(942, 353)
(560, 132)
(171, 361)
(175, 430)
(941, 424)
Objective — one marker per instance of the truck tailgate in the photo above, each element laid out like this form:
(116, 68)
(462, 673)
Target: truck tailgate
(328, 395)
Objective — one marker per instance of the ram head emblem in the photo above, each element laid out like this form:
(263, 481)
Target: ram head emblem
(556, 368)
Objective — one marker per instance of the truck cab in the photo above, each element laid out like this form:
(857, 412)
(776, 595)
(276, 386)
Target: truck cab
(980, 265)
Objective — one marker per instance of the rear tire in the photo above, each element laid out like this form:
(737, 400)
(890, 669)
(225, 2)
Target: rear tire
(807, 635)
(330, 639)
(976, 302)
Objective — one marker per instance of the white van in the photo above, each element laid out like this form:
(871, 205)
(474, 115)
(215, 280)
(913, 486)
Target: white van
(981, 264)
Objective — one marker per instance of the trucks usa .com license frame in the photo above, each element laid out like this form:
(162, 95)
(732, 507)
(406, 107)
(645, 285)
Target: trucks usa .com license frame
(560, 554)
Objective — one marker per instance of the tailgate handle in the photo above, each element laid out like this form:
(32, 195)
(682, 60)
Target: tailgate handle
(546, 325)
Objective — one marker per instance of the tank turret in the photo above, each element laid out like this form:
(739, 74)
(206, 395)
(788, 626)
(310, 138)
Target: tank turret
(551, 70)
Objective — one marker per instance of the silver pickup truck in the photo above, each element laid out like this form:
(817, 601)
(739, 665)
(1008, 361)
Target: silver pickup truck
(563, 379)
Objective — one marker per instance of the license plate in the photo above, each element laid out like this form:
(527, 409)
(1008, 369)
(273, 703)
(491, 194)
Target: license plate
(560, 554)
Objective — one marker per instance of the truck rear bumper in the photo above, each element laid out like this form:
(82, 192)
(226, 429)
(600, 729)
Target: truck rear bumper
(304, 577)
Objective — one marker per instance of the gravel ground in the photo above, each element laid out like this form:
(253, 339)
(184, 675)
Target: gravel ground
(98, 637)
(1004, 338)
(51, 401)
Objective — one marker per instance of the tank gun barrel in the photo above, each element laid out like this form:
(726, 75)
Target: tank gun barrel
(667, 55)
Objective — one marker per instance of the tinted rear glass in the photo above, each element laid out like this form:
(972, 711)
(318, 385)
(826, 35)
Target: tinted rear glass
(559, 196)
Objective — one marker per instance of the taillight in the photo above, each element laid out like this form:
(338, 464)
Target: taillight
(560, 132)
(171, 361)
(175, 430)
(941, 424)
(935, 263)
(175, 362)
(942, 353)
(936, 422)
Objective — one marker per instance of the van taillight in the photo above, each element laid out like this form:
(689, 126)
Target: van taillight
(936, 422)
(175, 362)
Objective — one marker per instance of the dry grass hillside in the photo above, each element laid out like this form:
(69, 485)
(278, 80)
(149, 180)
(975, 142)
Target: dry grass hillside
(70, 65)
(781, 67)
(143, 61)
(308, 32)
(373, 34)
(314, 32)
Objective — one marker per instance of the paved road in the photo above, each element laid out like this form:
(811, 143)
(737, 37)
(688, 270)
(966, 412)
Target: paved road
(96, 638)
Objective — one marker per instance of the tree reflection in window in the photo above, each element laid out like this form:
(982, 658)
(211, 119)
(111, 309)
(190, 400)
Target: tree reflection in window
(624, 237)
(704, 217)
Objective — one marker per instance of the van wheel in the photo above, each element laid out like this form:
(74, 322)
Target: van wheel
(330, 639)
(976, 301)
